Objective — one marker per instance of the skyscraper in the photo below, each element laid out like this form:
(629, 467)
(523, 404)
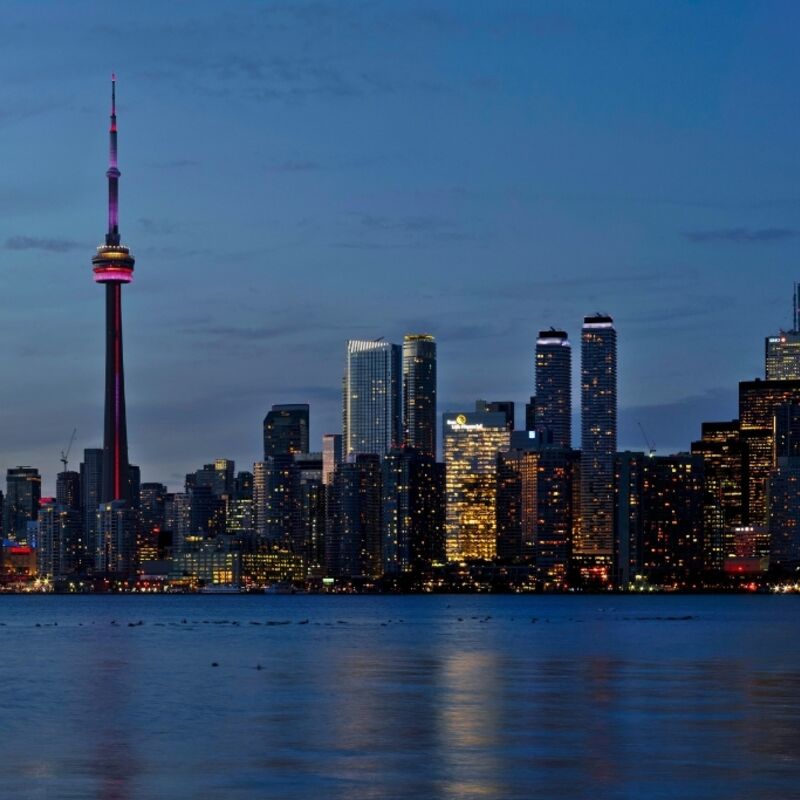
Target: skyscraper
(372, 407)
(472, 441)
(594, 546)
(353, 546)
(758, 402)
(412, 511)
(721, 450)
(782, 351)
(286, 429)
(91, 487)
(21, 506)
(553, 416)
(419, 392)
(113, 266)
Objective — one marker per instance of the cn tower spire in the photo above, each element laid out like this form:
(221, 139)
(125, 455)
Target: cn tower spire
(113, 266)
(113, 173)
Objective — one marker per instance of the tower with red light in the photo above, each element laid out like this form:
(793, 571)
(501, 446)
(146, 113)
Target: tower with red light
(113, 266)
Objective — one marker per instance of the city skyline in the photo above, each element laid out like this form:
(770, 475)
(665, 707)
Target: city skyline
(706, 219)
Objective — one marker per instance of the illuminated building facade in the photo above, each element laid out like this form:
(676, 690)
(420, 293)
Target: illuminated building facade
(553, 415)
(660, 525)
(419, 392)
(594, 546)
(758, 402)
(720, 448)
(782, 351)
(286, 429)
(114, 550)
(58, 539)
(472, 440)
(372, 398)
(21, 505)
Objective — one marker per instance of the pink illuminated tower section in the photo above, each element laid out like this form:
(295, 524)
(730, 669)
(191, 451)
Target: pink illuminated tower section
(113, 266)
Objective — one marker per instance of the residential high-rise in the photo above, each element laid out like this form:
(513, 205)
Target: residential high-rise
(472, 440)
(660, 520)
(372, 398)
(114, 553)
(286, 429)
(68, 489)
(593, 548)
(535, 507)
(113, 267)
(419, 392)
(152, 543)
(553, 416)
(782, 351)
(58, 538)
(21, 505)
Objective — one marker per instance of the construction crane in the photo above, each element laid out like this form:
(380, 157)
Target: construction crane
(651, 446)
(65, 453)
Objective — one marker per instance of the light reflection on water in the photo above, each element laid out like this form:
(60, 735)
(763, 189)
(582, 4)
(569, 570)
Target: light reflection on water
(382, 697)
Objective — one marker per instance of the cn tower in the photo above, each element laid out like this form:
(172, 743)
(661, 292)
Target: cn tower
(113, 266)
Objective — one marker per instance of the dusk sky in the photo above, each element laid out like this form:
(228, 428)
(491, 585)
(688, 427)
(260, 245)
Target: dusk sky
(297, 174)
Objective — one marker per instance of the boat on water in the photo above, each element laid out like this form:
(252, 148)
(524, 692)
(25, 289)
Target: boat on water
(220, 588)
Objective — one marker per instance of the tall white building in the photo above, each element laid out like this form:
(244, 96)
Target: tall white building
(372, 398)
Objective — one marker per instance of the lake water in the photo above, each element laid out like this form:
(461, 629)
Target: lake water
(395, 697)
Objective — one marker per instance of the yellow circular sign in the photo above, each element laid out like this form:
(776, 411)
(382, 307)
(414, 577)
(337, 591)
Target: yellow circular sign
(461, 419)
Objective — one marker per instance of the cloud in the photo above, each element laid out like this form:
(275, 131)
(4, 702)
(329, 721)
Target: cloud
(294, 166)
(374, 232)
(42, 243)
(157, 226)
(177, 163)
(741, 235)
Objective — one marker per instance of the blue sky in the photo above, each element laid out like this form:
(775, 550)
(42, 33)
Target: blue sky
(297, 174)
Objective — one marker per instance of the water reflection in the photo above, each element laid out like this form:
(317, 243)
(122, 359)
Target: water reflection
(446, 704)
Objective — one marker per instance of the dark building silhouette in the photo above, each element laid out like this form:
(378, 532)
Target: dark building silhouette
(286, 430)
(353, 548)
(412, 513)
(307, 538)
(68, 490)
(91, 471)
